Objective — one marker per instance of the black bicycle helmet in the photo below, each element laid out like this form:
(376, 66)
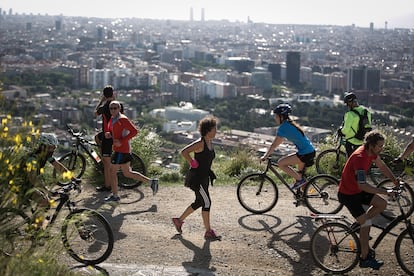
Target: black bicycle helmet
(283, 109)
(349, 97)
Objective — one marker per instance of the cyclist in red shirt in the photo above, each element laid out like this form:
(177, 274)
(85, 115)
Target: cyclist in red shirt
(354, 191)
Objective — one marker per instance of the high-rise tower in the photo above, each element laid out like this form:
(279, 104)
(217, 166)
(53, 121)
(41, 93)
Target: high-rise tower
(293, 68)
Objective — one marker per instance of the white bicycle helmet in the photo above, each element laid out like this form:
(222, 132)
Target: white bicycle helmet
(48, 139)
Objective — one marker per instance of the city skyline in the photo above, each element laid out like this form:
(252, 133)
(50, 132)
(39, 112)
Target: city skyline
(396, 13)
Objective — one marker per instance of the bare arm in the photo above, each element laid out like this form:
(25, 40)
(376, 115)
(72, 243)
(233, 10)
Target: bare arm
(276, 142)
(59, 166)
(196, 146)
(385, 170)
(407, 151)
(368, 188)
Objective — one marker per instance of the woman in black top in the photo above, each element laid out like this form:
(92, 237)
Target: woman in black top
(200, 174)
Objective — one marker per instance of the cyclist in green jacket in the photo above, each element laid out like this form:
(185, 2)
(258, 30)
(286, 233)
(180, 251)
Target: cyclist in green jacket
(351, 122)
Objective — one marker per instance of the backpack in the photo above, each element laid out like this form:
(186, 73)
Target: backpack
(363, 124)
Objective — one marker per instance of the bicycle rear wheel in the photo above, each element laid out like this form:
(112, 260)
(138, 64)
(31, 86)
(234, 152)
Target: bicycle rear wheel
(75, 163)
(87, 236)
(15, 233)
(137, 165)
(331, 163)
(404, 250)
(257, 193)
(321, 195)
(334, 249)
(406, 200)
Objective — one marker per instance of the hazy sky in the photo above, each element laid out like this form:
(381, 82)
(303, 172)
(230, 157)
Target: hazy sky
(398, 13)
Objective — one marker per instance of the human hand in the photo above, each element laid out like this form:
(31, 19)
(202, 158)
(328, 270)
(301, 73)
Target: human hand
(117, 143)
(194, 164)
(108, 135)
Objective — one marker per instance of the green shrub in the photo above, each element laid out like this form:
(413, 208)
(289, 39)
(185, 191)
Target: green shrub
(147, 145)
(240, 160)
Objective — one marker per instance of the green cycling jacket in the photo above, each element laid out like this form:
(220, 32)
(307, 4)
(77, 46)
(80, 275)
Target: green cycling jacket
(350, 125)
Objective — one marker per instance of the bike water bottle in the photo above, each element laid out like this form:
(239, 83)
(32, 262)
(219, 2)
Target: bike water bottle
(95, 156)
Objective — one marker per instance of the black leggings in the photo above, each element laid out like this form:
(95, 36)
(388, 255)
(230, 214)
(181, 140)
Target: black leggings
(202, 196)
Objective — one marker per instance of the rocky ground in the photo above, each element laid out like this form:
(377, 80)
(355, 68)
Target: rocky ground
(276, 243)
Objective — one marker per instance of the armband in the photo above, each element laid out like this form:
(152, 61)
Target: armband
(361, 177)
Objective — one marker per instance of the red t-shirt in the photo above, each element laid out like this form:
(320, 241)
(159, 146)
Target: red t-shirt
(124, 130)
(359, 160)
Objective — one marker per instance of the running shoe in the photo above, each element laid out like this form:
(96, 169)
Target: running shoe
(112, 198)
(298, 184)
(370, 262)
(211, 235)
(178, 223)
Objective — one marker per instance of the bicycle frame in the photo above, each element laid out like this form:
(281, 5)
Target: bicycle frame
(339, 243)
(82, 144)
(64, 199)
(272, 165)
(391, 225)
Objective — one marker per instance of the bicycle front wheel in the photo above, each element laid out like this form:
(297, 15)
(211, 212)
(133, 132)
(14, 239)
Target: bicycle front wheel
(334, 249)
(75, 163)
(321, 195)
(15, 232)
(257, 193)
(137, 165)
(404, 250)
(330, 162)
(87, 236)
(406, 200)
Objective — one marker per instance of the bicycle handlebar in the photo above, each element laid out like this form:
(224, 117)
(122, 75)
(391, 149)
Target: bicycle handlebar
(65, 190)
(79, 136)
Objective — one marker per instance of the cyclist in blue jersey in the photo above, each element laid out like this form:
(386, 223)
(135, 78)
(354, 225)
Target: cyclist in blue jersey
(304, 157)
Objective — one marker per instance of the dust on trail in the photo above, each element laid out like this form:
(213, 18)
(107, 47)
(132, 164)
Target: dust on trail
(275, 243)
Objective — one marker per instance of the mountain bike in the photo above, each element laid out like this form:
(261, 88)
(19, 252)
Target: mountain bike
(85, 233)
(258, 192)
(406, 200)
(335, 246)
(332, 161)
(75, 160)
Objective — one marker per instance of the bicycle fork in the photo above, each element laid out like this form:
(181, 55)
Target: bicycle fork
(72, 160)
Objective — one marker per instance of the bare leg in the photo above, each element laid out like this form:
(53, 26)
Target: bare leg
(186, 213)
(107, 171)
(378, 204)
(206, 219)
(114, 178)
(128, 172)
(285, 164)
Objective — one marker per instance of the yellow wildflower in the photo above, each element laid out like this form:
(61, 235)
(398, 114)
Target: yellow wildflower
(67, 175)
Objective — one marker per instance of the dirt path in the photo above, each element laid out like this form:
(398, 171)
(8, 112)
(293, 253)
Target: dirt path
(275, 243)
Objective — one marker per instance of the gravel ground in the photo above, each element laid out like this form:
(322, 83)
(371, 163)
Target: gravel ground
(275, 243)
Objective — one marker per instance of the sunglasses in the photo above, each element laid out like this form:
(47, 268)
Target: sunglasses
(113, 108)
